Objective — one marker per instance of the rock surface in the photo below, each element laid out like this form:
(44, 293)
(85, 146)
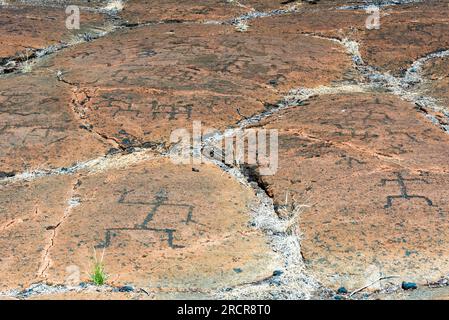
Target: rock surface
(147, 11)
(38, 127)
(436, 80)
(405, 33)
(375, 175)
(86, 115)
(26, 29)
(29, 214)
(153, 82)
(150, 232)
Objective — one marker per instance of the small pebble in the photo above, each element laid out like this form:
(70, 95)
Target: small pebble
(277, 273)
(126, 289)
(342, 290)
(409, 285)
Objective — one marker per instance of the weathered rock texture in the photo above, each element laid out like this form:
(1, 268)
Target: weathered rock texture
(136, 11)
(436, 80)
(26, 29)
(164, 225)
(158, 225)
(375, 174)
(29, 215)
(85, 122)
(39, 129)
(160, 78)
(405, 32)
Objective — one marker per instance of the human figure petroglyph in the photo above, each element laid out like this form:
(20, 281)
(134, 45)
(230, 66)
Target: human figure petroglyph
(172, 111)
(161, 200)
(349, 161)
(401, 181)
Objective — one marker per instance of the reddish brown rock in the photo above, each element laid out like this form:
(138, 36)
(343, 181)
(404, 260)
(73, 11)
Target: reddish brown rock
(159, 78)
(25, 29)
(267, 5)
(406, 32)
(28, 215)
(159, 225)
(375, 174)
(38, 127)
(373, 170)
(436, 80)
(95, 4)
(323, 19)
(137, 11)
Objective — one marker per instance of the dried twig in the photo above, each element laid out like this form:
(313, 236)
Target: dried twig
(369, 285)
(144, 291)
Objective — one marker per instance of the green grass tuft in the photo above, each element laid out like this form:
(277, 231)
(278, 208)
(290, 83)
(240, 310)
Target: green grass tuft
(98, 276)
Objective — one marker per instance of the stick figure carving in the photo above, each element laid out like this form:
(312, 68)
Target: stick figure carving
(403, 189)
(161, 200)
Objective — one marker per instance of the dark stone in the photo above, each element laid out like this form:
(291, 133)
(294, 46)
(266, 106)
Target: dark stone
(126, 289)
(127, 142)
(342, 290)
(277, 273)
(6, 174)
(238, 270)
(409, 285)
(87, 127)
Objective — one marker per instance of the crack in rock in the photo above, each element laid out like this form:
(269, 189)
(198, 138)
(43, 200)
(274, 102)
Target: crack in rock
(378, 3)
(241, 22)
(292, 282)
(403, 87)
(23, 62)
(72, 202)
(100, 164)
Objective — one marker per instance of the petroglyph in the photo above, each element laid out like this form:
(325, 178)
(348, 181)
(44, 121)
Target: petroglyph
(361, 112)
(401, 181)
(157, 207)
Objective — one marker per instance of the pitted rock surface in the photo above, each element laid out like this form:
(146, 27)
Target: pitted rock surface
(86, 118)
(39, 129)
(150, 233)
(405, 34)
(375, 175)
(25, 29)
(153, 82)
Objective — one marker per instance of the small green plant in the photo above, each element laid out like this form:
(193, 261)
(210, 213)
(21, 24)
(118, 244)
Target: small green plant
(98, 275)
